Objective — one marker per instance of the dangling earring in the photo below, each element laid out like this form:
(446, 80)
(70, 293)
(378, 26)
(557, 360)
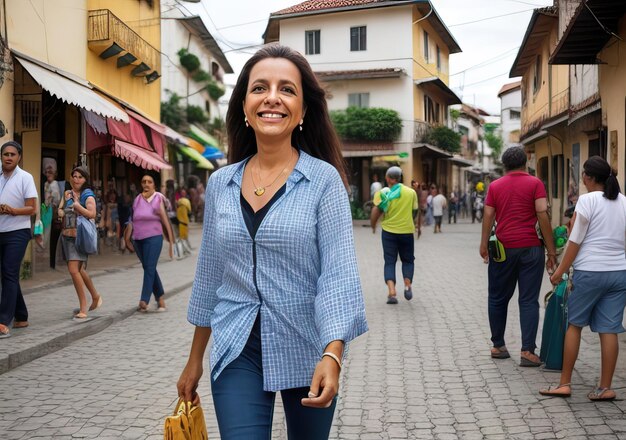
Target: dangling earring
(301, 122)
(246, 121)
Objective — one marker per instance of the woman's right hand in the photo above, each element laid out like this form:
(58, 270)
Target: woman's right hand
(188, 382)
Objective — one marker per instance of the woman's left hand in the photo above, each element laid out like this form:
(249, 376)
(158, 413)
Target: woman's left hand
(171, 251)
(324, 385)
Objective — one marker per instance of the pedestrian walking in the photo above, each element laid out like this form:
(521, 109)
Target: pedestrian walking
(516, 201)
(418, 220)
(398, 204)
(52, 194)
(438, 203)
(596, 250)
(277, 284)
(183, 210)
(79, 200)
(18, 196)
(453, 205)
(375, 186)
(149, 221)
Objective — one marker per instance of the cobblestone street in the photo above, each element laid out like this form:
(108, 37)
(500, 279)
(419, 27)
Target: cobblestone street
(423, 370)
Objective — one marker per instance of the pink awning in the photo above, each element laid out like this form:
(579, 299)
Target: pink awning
(157, 130)
(132, 132)
(136, 155)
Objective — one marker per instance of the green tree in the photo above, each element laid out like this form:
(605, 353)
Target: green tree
(367, 124)
(444, 138)
(495, 144)
(173, 114)
(195, 115)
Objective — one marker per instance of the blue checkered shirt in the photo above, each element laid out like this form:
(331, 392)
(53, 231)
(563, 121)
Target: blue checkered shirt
(303, 262)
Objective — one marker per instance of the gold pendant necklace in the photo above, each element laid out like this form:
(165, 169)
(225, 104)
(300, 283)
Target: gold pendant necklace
(260, 190)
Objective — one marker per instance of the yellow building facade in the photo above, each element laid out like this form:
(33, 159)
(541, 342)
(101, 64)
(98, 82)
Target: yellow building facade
(123, 53)
(545, 133)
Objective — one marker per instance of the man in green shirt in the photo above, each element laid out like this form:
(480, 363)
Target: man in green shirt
(398, 204)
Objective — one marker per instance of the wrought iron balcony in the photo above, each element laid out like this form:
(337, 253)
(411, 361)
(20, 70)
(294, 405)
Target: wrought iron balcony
(421, 130)
(108, 36)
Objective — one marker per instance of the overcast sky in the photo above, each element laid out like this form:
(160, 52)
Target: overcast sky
(488, 31)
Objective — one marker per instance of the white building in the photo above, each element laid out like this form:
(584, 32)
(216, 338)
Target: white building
(389, 54)
(510, 113)
(180, 32)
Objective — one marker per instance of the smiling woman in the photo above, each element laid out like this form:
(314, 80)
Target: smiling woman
(277, 283)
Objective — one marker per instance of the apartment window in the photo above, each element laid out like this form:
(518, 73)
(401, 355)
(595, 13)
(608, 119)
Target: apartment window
(537, 75)
(359, 100)
(431, 110)
(595, 148)
(312, 42)
(438, 59)
(358, 38)
(557, 175)
(514, 114)
(426, 57)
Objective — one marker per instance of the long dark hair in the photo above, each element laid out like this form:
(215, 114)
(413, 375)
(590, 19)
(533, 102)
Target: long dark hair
(318, 138)
(83, 172)
(600, 171)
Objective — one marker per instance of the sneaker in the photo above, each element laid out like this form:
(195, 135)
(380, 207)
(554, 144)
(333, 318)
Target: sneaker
(392, 300)
(408, 294)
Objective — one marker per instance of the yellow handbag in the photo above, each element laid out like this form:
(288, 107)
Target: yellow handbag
(187, 423)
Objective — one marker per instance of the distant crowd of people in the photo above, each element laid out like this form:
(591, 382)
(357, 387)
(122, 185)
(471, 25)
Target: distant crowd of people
(135, 221)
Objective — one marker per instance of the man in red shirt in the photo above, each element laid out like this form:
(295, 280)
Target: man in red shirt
(516, 202)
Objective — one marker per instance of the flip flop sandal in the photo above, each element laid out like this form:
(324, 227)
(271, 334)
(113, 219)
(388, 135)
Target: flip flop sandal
(525, 362)
(552, 391)
(20, 324)
(597, 395)
(80, 317)
(502, 353)
(4, 331)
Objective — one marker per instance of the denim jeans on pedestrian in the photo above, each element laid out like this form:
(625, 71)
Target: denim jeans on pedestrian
(244, 410)
(394, 245)
(149, 250)
(524, 268)
(12, 247)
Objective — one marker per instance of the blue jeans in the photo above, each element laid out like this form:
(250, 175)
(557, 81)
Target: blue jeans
(394, 245)
(149, 250)
(523, 267)
(12, 247)
(244, 411)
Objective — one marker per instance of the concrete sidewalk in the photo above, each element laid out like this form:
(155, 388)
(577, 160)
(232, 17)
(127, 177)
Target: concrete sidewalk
(51, 297)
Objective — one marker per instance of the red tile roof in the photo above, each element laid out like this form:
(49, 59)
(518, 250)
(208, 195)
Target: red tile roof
(319, 5)
(511, 86)
(336, 75)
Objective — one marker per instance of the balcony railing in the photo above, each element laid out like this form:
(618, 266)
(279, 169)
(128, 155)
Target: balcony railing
(421, 129)
(109, 36)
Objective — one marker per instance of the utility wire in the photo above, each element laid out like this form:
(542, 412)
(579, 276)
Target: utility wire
(489, 18)
(487, 61)
(481, 81)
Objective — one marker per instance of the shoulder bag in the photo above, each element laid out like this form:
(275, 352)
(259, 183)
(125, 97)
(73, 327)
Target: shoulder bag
(86, 231)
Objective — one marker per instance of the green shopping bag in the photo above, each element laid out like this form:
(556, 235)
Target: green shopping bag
(554, 326)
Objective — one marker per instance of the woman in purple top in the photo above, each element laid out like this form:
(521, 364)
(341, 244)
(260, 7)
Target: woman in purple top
(149, 218)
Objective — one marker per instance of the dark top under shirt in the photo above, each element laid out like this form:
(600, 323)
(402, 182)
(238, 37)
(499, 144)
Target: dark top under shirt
(253, 219)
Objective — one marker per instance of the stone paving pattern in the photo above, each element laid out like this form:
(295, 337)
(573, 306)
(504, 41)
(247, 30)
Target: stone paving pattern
(423, 370)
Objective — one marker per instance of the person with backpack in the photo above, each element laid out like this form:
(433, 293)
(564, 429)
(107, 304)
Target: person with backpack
(79, 200)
